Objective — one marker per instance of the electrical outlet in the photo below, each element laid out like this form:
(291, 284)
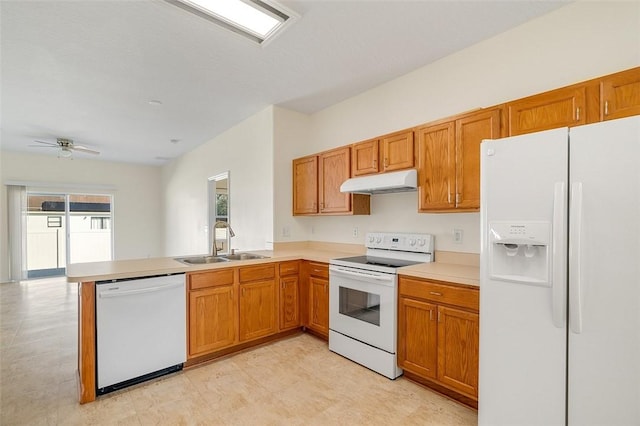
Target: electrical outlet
(355, 232)
(286, 232)
(457, 236)
(313, 230)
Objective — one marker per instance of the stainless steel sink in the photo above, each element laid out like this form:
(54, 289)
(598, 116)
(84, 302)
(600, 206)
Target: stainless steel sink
(199, 260)
(243, 256)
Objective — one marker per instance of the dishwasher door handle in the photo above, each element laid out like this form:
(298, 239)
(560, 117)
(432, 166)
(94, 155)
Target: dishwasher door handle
(124, 293)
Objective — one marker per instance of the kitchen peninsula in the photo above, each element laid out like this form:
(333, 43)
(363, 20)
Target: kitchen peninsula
(281, 280)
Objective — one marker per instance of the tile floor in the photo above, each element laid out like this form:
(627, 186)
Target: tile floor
(295, 381)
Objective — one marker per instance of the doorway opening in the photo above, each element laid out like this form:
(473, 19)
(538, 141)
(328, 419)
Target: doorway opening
(67, 228)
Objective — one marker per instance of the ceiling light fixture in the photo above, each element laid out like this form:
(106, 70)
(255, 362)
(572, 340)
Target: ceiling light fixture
(254, 19)
(65, 152)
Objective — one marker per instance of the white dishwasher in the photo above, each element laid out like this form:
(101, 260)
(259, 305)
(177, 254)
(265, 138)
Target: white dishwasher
(140, 329)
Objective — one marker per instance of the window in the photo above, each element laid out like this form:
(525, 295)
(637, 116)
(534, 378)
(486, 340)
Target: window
(54, 221)
(100, 223)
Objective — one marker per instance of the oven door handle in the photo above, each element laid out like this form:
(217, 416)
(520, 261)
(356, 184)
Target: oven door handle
(363, 275)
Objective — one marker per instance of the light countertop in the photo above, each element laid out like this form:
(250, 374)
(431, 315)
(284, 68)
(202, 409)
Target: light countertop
(98, 271)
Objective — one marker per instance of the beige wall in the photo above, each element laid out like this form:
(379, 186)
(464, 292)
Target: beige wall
(245, 150)
(577, 42)
(136, 197)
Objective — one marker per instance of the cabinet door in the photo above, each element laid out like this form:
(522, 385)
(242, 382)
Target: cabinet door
(436, 167)
(458, 347)
(289, 302)
(212, 319)
(397, 151)
(335, 168)
(550, 110)
(621, 95)
(470, 131)
(364, 158)
(417, 337)
(257, 309)
(319, 305)
(305, 185)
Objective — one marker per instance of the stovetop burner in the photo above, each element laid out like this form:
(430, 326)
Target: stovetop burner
(386, 252)
(378, 261)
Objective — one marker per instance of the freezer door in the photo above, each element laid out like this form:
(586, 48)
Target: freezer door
(604, 292)
(522, 295)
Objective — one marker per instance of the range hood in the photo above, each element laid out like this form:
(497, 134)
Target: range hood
(383, 183)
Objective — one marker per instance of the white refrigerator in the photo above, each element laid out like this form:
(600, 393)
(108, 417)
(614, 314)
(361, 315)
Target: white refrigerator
(560, 277)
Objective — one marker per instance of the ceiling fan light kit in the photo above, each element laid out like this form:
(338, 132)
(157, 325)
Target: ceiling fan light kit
(65, 153)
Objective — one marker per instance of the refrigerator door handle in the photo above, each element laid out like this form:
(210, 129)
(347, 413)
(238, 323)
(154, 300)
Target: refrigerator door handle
(575, 228)
(558, 301)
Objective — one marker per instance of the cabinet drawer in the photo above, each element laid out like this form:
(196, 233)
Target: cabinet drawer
(289, 268)
(440, 293)
(254, 273)
(320, 270)
(210, 279)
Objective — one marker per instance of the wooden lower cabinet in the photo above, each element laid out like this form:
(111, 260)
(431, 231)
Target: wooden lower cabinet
(257, 309)
(229, 307)
(258, 303)
(212, 319)
(418, 346)
(315, 297)
(289, 302)
(319, 305)
(438, 340)
(289, 295)
(458, 337)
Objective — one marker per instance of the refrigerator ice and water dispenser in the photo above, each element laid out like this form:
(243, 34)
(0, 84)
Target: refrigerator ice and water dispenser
(520, 252)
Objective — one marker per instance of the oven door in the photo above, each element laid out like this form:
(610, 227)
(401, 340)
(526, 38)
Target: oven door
(362, 305)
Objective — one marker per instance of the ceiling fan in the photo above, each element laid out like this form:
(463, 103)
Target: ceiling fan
(66, 147)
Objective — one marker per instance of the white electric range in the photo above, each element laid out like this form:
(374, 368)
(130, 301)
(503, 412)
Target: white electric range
(363, 298)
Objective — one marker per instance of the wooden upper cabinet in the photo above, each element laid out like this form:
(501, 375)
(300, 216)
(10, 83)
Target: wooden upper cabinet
(316, 185)
(305, 185)
(470, 131)
(620, 94)
(364, 158)
(436, 166)
(334, 169)
(549, 110)
(396, 151)
(449, 161)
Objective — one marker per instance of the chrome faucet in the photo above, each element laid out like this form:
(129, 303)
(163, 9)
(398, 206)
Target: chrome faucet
(220, 224)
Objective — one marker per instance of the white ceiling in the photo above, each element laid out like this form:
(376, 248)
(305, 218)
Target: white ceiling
(86, 70)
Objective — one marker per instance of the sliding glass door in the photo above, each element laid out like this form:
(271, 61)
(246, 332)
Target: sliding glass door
(66, 228)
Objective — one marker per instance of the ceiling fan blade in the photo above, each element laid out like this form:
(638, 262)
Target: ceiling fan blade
(42, 146)
(84, 149)
(55, 144)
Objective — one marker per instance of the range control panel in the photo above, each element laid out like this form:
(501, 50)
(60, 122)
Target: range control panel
(419, 243)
